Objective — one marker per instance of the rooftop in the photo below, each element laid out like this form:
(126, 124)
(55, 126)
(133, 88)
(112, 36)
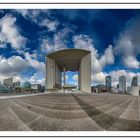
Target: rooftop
(70, 58)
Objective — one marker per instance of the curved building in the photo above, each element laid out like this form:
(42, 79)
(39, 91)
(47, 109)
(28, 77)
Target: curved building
(69, 60)
(134, 81)
(26, 85)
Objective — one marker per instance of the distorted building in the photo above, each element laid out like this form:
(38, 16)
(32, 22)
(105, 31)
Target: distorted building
(36, 87)
(8, 82)
(16, 84)
(122, 84)
(59, 62)
(4, 89)
(134, 82)
(17, 87)
(42, 88)
(108, 82)
(99, 88)
(26, 85)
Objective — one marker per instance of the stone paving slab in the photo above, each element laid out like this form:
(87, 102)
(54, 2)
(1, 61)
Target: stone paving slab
(51, 124)
(10, 121)
(132, 112)
(71, 112)
(111, 105)
(55, 105)
(52, 113)
(24, 114)
(119, 109)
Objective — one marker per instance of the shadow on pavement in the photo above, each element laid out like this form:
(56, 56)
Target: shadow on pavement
(107, 121)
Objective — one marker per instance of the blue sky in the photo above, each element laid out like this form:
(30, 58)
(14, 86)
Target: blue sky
(112, 36)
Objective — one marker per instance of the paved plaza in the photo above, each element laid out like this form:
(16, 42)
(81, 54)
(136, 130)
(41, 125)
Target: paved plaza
(70, 112)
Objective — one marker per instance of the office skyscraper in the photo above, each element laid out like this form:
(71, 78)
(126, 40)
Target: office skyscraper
(8, 82)
(122, 84)
(108, 82)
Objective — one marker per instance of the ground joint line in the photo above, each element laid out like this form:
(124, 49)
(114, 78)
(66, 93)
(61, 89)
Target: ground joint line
(32, 120)
(36, 119)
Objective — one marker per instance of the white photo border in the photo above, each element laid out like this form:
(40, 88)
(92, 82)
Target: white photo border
(69, 5)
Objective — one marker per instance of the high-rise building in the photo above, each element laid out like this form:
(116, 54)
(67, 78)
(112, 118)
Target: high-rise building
(8, 82)
(108, 82)
(134, 81)
(122, 84)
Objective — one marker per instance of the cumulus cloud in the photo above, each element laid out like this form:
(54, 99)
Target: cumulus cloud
(12, 67)
(31, 14)
(51, 25)
(66, 78)
(35, 15)
(131, 62)
(9, 33)
(18, 78)
(127, 45)
(58, 42)
(108, 57)
(75, 77)
(84, 42)
(98, 78)
(15, 65)
(39, 66)
(36, 78)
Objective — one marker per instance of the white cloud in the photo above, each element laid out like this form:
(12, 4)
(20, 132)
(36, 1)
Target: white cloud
(46, 46)
(84, 42)
(15, 65)
(37, 79)
(31, 14)
(128, 42)
(9, 33)
(98, 78)
(108, 57)
(35, 16)
(17, 78)
(39, 66)
(75, 77)
(12, 67)
(51, 25)
(131, 62)
(58, 42)
(66, 78)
